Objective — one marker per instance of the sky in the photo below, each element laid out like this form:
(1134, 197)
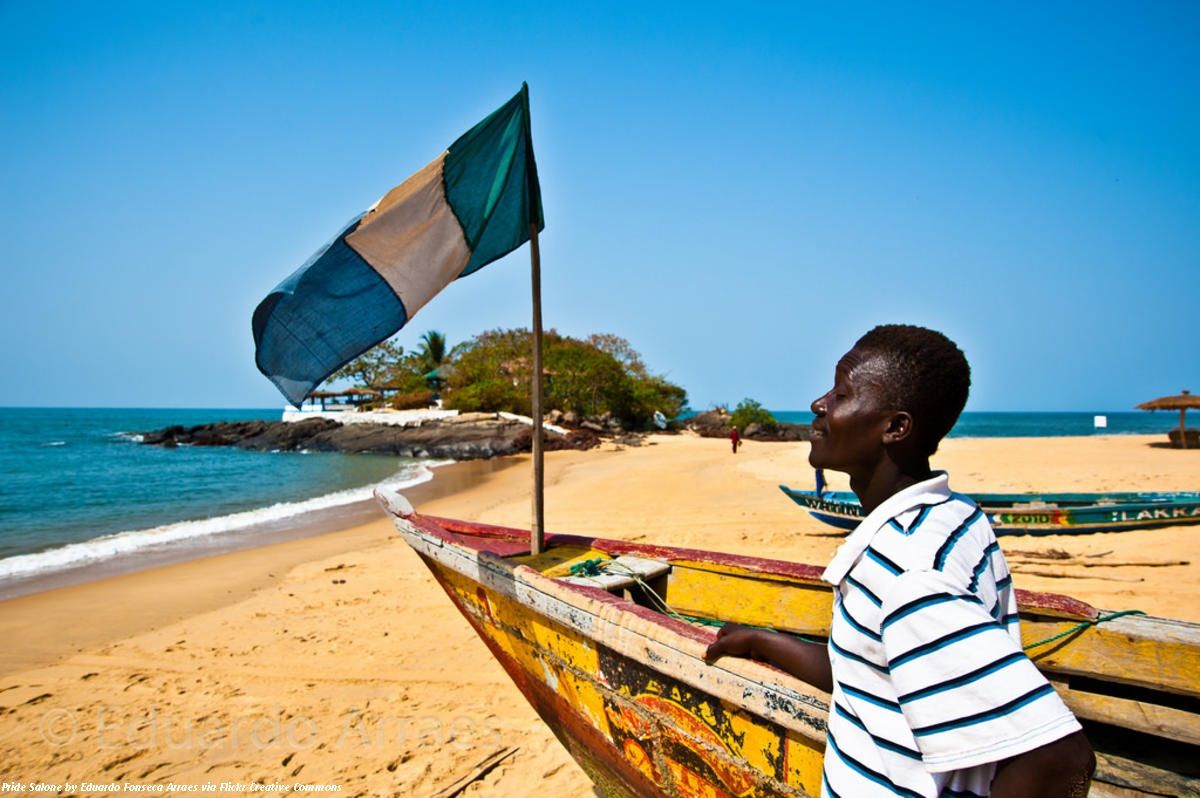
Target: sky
(740, 190)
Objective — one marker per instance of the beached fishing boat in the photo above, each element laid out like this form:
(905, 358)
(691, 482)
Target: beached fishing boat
(1034, 513)
(606, 640)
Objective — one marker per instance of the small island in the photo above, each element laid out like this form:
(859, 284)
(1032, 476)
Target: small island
(472, 402)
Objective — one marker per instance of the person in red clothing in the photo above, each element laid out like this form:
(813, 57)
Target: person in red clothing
(735, 439)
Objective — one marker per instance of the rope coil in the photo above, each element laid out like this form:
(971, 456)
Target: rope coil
(587, 567)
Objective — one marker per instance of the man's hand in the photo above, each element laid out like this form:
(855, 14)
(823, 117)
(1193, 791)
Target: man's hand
(808, 662)
(733, 640)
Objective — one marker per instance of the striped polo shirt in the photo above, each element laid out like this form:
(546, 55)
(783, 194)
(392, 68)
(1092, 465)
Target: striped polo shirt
(930, 686)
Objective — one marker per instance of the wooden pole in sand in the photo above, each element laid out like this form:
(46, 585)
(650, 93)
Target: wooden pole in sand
(536, 535)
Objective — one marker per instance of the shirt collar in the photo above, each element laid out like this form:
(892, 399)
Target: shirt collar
(931, 491)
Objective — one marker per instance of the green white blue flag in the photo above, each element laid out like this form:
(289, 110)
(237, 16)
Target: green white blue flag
(473, 204)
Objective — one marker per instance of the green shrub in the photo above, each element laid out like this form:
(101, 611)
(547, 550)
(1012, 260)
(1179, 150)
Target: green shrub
(750, 412)
(411, 400)
(590, 377)
(600, 375)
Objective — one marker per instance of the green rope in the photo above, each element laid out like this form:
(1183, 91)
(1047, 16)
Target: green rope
(816, 641)
(713, 622)
(1081, 626)
(587, 567)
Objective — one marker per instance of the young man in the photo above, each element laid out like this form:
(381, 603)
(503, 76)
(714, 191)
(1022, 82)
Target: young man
(931, 692)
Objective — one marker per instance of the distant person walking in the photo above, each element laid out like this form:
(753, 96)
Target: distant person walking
(735, 439)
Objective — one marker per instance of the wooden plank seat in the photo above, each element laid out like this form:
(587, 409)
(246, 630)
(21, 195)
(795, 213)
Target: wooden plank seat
(620, 573)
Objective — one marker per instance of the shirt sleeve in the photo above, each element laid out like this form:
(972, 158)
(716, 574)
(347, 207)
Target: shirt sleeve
(967, 690)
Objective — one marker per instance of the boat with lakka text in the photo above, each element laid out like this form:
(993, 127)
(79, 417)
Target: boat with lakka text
(1032, 513)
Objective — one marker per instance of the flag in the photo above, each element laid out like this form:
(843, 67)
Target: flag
(473, 204)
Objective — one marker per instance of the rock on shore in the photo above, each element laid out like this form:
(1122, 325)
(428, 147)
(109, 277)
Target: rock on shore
(717, 424)
(484, 435)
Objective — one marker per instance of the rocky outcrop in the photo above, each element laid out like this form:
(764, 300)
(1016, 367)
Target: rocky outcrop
(606, 424)
(717, 424)
(709, 424)
(783, 431)
(482, 435)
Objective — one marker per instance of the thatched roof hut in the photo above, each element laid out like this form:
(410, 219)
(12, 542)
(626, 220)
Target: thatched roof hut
(1181, 402)
(354, 395)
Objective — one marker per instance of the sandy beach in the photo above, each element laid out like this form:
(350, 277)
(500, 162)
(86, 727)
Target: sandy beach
(336, 660)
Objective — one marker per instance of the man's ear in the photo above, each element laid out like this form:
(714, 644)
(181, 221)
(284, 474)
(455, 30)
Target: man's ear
(899, 428)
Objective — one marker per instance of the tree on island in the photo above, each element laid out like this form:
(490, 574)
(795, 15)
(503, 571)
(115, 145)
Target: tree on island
(432, 350)
(750, 412)
(593, 377)
(432, 354)
(602, 375)
(373, 369)
(400, 376)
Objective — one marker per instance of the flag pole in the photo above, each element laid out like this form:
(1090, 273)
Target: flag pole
(537, 542)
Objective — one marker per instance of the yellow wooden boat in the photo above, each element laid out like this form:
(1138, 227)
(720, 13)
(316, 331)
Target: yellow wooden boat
(606, 640)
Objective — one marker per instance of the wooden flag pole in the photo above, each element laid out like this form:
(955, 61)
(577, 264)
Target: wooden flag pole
(537, 543)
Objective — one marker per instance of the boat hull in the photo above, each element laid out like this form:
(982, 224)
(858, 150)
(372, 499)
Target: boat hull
(635, 729)
(1016, 514)
(615, 774)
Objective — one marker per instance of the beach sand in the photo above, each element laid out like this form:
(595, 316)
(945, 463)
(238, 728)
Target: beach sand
(336, 659)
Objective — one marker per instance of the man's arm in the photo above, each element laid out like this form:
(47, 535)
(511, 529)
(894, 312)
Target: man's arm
(808, 662)
(1061, 769)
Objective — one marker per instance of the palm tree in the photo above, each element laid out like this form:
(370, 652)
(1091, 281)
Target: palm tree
(432, 350)
(431, 353)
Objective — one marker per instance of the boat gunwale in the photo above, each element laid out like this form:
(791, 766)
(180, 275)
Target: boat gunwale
(1031, 602)
(803, 572)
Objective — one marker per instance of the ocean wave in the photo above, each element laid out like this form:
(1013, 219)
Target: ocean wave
(120, 544)
(133, 437)
(55, 443)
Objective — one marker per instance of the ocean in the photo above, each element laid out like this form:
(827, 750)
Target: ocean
(79, 491)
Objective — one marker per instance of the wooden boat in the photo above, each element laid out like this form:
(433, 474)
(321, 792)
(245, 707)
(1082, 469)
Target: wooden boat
(1034, 513)
(606, 640)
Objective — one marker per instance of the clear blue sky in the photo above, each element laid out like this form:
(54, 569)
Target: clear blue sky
(738, 189)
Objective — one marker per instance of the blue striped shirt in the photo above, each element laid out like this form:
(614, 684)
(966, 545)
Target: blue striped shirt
(931, 687)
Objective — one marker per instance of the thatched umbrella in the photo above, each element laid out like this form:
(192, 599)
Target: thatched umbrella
(360, 396)
(1181, 403)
